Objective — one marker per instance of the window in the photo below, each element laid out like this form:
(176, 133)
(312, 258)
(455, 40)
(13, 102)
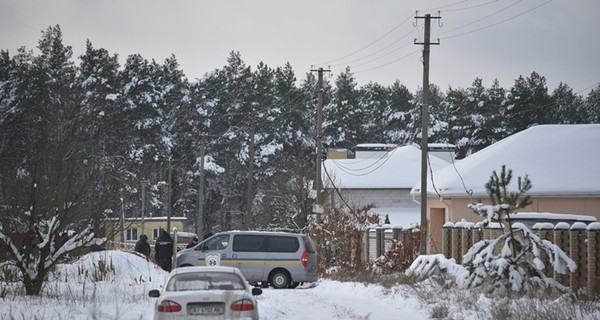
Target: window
(283, 244)
(216, 243)
(155, 233)
(249, 243)
(131, 234)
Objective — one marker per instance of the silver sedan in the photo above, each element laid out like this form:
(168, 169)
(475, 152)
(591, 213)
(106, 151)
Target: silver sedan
(205, 292)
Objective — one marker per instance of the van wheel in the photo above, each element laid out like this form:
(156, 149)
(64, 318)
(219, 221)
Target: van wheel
(294, 285)
(280, 279)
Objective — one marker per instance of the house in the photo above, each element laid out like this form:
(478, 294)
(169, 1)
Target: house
(134, 227)
(562, 162)
(382, 175)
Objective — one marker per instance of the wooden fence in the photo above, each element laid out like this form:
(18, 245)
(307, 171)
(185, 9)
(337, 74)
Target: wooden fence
(377, 241)
(580, 242)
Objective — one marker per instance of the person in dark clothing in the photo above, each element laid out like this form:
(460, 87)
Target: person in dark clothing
(163, 250)
(142, 246)
(192, 243)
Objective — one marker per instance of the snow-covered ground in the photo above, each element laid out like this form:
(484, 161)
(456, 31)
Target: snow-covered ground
(80, 291)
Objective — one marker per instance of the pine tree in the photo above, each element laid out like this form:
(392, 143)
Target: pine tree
(513, 259)
(528, 103)
(592, 105)
(343, 118)
(568, 107)
(398, 115)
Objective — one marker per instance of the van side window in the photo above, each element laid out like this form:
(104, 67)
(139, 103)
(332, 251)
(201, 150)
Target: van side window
(249, 243)
(216, 243)
(283, 244)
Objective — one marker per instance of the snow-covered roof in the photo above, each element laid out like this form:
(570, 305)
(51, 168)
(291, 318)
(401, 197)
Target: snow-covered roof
(400, 218)
(396, 169)
(560, 160)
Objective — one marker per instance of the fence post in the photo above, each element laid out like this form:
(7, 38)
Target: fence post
(466, 238)
(477, 233)
(456, 241)
(544, 231)
(593, 254)
(379, 244)
(366, 246)
(561, 239)
(578, 252)
(447, 239)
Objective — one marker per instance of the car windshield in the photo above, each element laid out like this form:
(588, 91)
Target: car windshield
(205, 281)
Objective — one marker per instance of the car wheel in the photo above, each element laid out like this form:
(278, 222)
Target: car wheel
(294, 285)
(280, 279)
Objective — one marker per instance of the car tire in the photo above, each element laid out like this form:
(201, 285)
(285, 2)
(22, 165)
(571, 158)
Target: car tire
(294, 285)
(280, 279)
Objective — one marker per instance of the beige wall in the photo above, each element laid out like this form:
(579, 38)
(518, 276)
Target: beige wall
(453, 210)
(114, 226)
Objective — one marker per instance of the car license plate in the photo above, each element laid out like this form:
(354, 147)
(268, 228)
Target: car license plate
(205, 308)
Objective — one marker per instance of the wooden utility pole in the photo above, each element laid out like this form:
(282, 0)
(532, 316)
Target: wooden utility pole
(250, 186)
(424, 127)
(143, 207)
(200, 204)
(169, 197)
(318, 207)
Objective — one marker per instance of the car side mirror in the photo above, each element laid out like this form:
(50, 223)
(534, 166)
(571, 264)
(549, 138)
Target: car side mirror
(256, 291)
(154, 293)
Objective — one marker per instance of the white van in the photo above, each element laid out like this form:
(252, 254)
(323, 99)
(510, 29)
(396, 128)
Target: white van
(281, 259)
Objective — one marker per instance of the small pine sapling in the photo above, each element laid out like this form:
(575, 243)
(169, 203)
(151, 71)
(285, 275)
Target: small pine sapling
(512, 260)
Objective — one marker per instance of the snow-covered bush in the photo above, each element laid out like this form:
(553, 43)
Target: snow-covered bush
(338, 237)
(398, 258)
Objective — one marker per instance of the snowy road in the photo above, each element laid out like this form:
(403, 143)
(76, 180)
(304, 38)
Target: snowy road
(336, 300)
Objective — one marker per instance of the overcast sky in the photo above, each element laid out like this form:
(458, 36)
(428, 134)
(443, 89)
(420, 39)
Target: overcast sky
(489, 39)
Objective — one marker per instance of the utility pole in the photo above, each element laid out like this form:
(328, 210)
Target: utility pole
(250, 186)
(200, 205)
(424, 127)
(169, 197)
(318, 207)
(143, 207)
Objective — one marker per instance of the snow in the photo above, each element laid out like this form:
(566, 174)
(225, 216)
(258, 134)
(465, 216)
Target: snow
(396, 169)
(568, 152)
(79, 291)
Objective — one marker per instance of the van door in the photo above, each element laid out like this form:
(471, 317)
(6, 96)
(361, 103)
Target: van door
(215, 251)
(284, 251)
(248, 254)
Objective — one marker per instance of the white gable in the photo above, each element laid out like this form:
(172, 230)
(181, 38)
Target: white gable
(560, 160)
(397, 169)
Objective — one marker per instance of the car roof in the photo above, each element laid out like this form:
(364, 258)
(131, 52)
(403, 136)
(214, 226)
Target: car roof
(195, 269)
(281, 233)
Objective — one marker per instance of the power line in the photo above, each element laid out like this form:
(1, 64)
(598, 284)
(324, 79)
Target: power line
(385, 158)
(480, 19)
(499, 22)
(369, 44)
(471, 7)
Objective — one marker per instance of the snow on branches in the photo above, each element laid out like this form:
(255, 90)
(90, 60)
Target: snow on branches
(515, 259)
